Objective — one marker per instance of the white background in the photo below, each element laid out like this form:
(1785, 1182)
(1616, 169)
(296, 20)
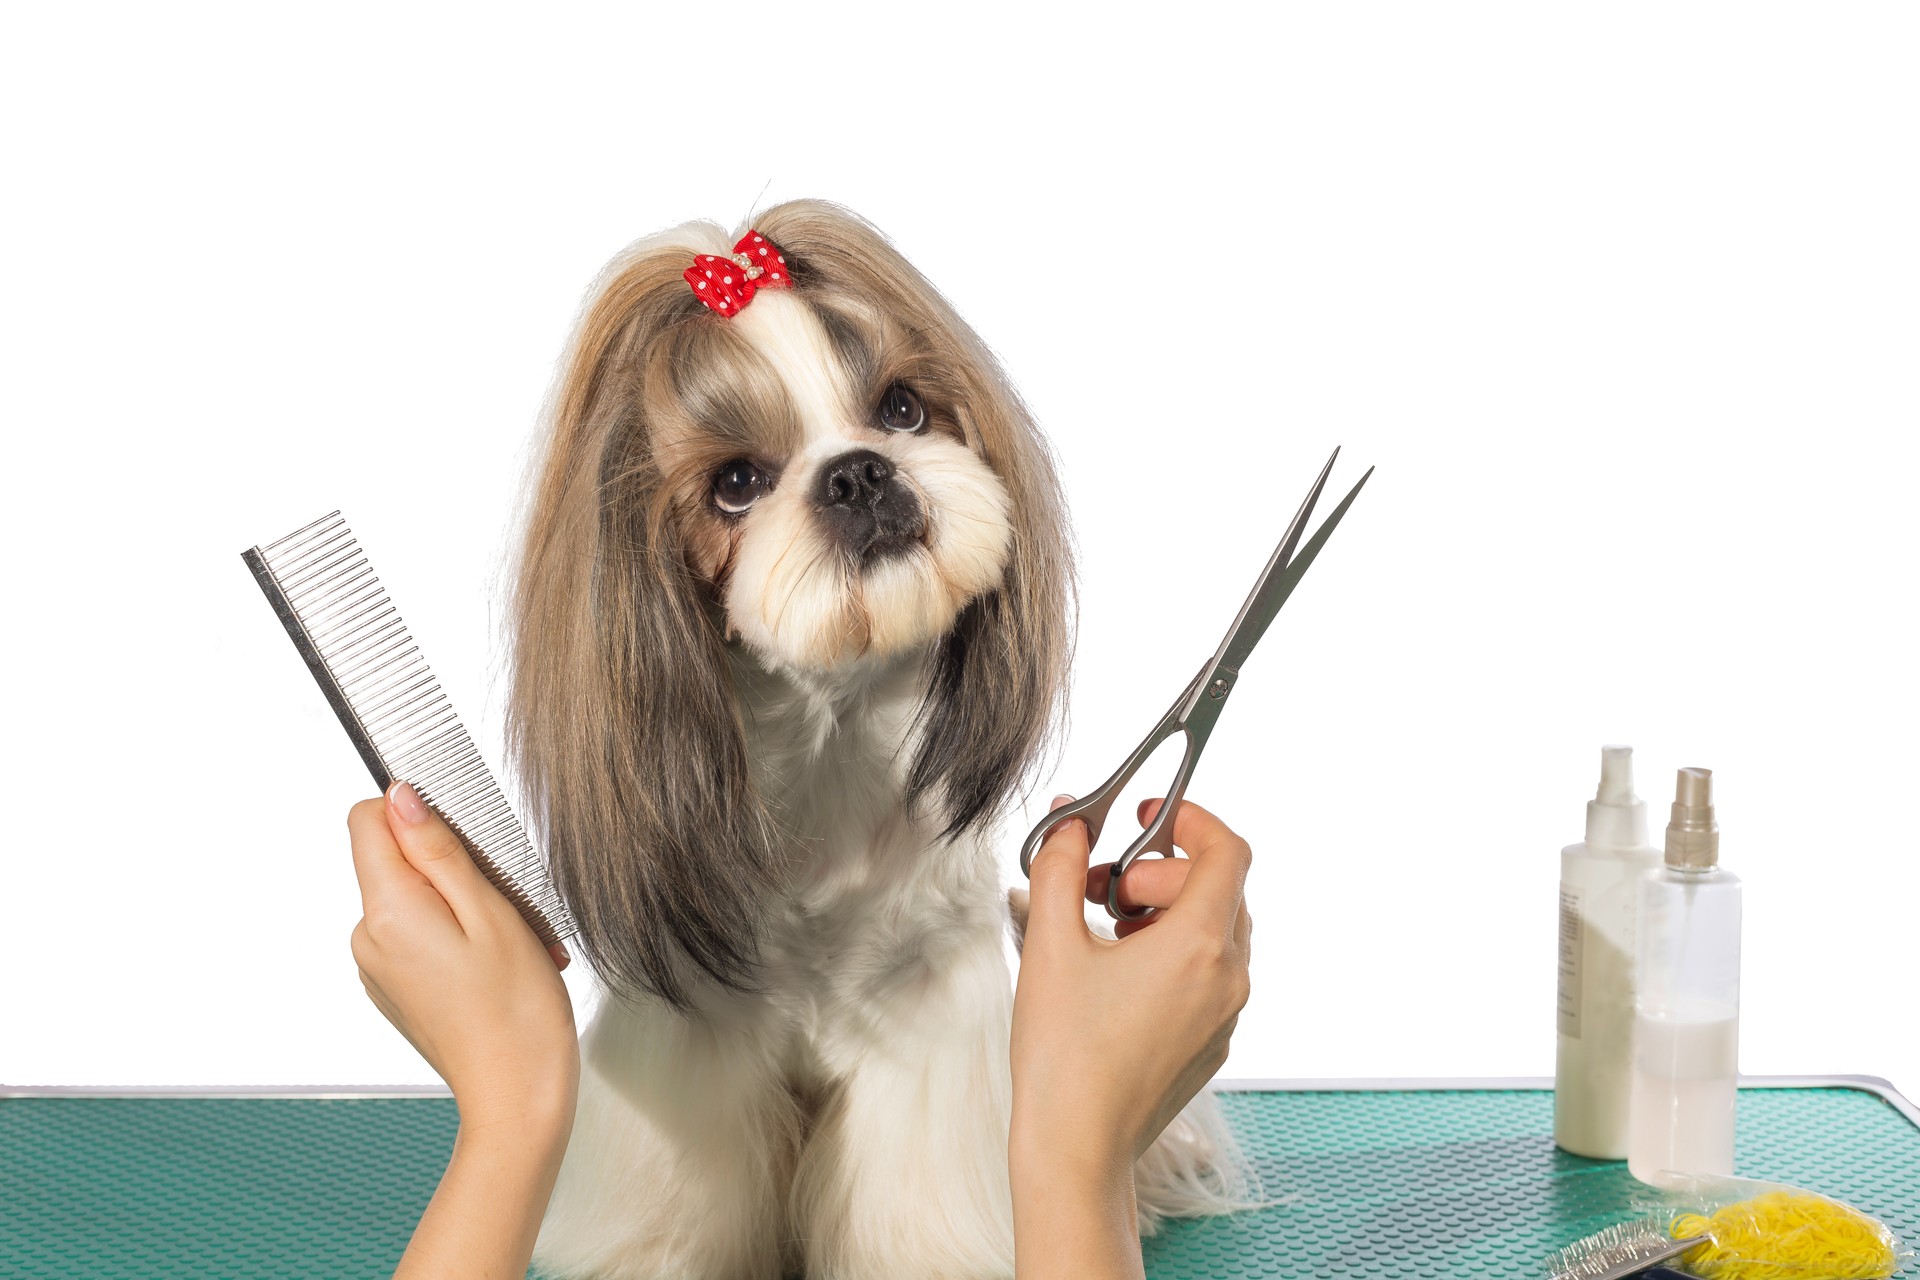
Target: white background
(1620, 299)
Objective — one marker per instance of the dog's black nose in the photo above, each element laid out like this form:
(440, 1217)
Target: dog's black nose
(854, 479)
(865, 506)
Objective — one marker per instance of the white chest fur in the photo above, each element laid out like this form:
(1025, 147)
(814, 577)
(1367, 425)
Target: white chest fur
(876, 904)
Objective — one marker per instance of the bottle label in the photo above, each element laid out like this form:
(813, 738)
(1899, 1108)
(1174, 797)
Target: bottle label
(1571, 943)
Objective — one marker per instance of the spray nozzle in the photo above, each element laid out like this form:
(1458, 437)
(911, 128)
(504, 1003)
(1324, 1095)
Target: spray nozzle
(1616, 776)
(1616, 817)
(1693, 837)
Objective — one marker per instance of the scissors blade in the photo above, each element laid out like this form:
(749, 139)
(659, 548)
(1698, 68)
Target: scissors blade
(1257, 614)
(1282, 554)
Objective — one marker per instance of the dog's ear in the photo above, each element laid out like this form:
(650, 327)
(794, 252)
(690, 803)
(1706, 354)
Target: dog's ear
(998, 678)
(621, 719)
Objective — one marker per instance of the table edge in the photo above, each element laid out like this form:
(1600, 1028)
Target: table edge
(1880, 1088)
(1876, 1085)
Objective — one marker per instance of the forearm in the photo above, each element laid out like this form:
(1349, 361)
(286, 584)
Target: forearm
(1073, 1218)
(483, 1219)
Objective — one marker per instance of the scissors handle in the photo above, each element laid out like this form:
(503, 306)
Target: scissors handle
(1092, 808)
(1158, 837)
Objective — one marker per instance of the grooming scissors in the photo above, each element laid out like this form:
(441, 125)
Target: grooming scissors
(1199, 704)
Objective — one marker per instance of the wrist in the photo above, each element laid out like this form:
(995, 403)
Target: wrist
(1081, 1157)
(522, 1153)
(535, 1115)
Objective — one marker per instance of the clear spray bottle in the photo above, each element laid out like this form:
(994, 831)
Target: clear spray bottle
(1599, 896)
(1686, 1029)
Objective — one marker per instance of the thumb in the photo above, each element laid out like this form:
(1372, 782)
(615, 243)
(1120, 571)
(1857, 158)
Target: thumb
(432, 848)
(1058, 885)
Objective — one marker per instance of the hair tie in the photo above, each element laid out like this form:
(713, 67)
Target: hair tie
(728, 284)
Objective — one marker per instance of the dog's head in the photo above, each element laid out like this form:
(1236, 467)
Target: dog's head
(835, 476)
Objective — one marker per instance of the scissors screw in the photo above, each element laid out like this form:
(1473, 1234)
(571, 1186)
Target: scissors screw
(1218, 689)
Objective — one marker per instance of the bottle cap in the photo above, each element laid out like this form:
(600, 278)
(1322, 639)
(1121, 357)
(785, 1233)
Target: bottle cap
(1616, 818)
(1693, 837)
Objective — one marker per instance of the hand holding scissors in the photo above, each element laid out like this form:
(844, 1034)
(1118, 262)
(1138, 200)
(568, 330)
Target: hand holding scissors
(1199, 704)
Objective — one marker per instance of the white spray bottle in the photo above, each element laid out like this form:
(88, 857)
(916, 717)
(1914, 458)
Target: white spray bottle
(1599, 881)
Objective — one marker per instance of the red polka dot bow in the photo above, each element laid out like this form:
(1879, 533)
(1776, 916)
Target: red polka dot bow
(728, 284)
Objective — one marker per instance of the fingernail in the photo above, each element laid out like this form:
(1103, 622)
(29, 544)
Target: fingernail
(406, 802)
(1062, 798)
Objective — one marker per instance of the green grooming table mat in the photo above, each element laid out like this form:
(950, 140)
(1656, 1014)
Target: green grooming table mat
(1449, 1179)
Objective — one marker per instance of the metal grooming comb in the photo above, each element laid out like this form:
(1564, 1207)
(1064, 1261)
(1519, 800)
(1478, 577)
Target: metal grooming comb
(358, 649)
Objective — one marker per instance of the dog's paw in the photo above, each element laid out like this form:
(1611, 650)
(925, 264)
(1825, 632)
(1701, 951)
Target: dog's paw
(1017, 902)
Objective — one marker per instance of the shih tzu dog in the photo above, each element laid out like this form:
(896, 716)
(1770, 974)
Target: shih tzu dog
(790, 623)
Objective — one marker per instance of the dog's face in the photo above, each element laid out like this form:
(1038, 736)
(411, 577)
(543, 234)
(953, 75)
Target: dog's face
(836, 473)
(822, 480)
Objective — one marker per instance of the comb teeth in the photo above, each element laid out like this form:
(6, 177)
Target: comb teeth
(393, 709)
(1619, 1251)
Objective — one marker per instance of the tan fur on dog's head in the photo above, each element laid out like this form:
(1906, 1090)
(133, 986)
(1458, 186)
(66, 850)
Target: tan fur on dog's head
(640, 565)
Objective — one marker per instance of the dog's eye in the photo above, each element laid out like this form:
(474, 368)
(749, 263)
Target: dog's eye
(736, 485)
(901, 410)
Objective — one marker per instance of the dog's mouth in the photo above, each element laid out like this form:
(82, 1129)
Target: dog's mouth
(886, 546)
(892, 525)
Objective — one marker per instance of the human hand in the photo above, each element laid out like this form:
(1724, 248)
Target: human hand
(456, 970)
(1111, 1038)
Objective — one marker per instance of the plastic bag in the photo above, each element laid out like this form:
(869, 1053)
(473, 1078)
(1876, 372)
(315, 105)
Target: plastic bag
(1752, 1230)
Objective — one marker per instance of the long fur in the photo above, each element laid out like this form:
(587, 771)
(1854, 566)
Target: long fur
(767, 766)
